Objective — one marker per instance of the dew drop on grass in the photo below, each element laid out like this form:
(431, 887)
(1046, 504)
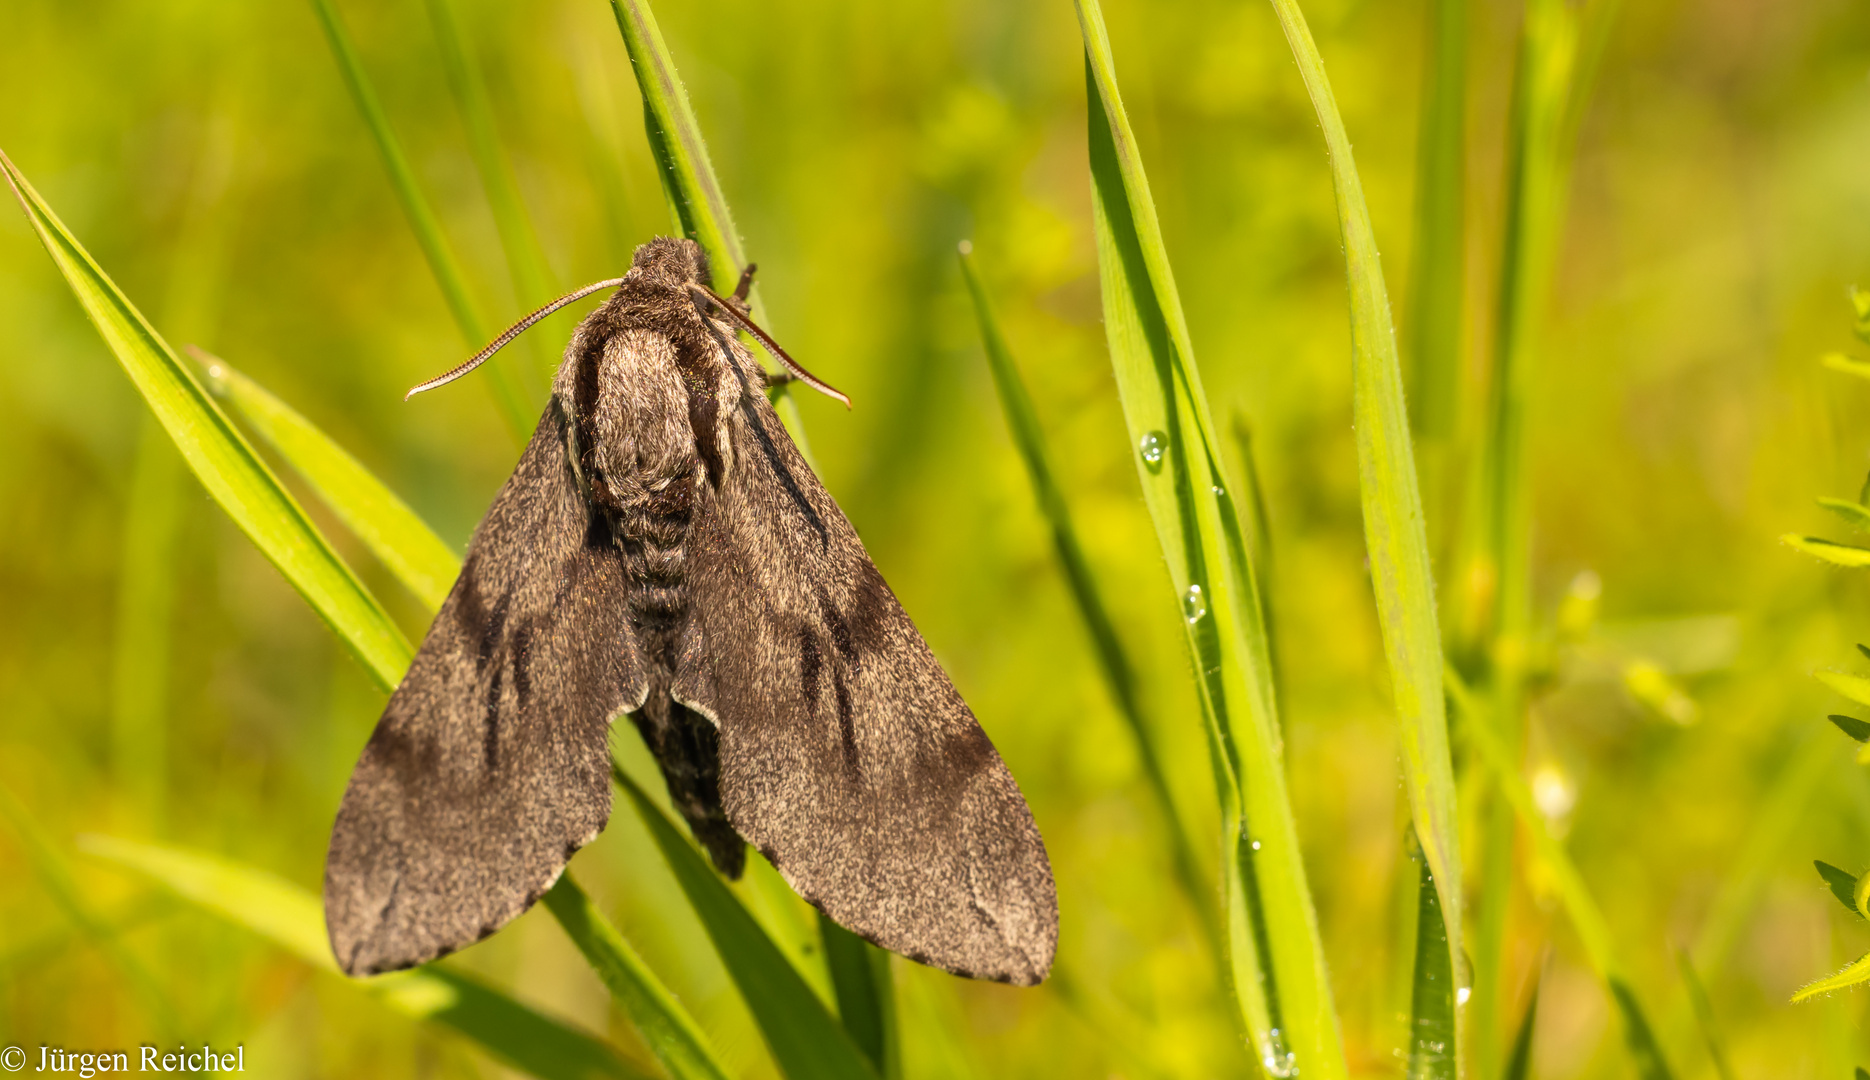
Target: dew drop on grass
(1194, 605)
(1278, 1060)
(1151, 446)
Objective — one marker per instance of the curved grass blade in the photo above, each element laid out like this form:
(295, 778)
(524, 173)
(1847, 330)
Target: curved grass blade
(672, 1035)
(806, 1041)
(223, 460)
(1432, 1051)
(54, 873)
(1704, 1014)
(1830, 551)
(519, 403)
(1394, 534)
(1276, 961)
(386, 525)
(1587, 919)
(1023, 421)
(701, 211)
(860, 977)
(1519, 1062)
(294, 920)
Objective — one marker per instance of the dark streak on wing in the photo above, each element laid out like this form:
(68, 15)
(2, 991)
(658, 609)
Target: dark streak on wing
(751, 414)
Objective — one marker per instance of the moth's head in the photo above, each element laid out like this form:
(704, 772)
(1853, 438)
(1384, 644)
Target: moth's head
(671, 262)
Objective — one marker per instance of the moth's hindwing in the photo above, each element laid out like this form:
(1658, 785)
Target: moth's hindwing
(847, 757)
(491, 763)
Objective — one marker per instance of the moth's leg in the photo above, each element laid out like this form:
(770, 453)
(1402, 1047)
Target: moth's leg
(745, 288)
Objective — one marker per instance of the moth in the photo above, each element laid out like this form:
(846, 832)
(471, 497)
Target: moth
(663, 551)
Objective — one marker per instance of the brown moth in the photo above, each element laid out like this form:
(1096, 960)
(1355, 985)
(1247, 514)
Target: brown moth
(663, 550)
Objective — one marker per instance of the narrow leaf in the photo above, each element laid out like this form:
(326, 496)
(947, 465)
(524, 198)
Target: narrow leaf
(1395, 538)
(1843, 884)
(1113, 661)
(672, 1035)
(1851, 726)
(1436, 281)
(519, 406)
(1276, 960)
(374, 513)
(1704, 1014)
(805, 1039)
(1828, 550)
(860, 977)
(1432, 1051)
(1638, 1036)
(1855, 687)
(294, 920)
(1519, 1062)
(687, 175)
(220, 457)
(1857, 515)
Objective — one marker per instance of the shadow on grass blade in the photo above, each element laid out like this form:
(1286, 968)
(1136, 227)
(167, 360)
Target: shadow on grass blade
(294, 920)
(1519, 1062)
(1433, 1054)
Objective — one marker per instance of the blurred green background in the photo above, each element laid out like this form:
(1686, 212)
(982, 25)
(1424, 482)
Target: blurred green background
(158, 679)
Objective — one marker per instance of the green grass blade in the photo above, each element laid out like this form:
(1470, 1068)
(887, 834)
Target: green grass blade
(688, 179)
(805, 1039)
(1704, 1014)
(860, 977)
(672, 1035)
(1830, 551)
(294, 920)
(1436, 281)
(55, 875)
(1432, 1050)
(142, 651)
(1113, 661)
(220, 457)
(1394, 535)
(525, 256)
(1259, 537)
(1276, 961)
(1587, 919)
(374, 513)
(1519, 1062)
(519, 404)
(1856, 974)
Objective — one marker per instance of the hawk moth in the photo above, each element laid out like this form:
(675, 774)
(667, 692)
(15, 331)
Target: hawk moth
(663, 550)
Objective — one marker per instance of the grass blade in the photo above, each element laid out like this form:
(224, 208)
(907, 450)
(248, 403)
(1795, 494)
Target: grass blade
(1394, 535)
(1023, 421)
(1432, 1051)
(220, 457)
(1587, 919)
(672, 1035)
(1704, 1014)
(374, 513)
(519, 403)
(1276, 962)
(1829, 550)
(1856, 974)
(1436, 280)
(1519, 1062)
(805, 1039)
(55, 875)
(861, 979)
(701, 211)
(294, 920)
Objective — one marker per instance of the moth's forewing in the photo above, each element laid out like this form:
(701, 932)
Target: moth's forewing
(848, 758)
(491, 763)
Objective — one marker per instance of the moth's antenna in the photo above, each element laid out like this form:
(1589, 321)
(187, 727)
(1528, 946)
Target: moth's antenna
(512, 332)
(702, 293)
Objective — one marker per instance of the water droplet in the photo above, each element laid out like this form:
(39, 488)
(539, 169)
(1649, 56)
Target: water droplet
(1461, 995)
(1151, 446)
(1256, 845)
(214, 371)
(1194, 605)
(1219, 491)
(1278, 1060)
